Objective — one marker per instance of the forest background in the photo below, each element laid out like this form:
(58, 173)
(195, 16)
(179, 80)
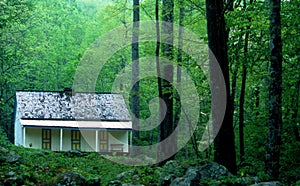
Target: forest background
(43, 41)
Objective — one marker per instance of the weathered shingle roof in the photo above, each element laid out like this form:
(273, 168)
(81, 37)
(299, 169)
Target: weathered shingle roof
(64, 106)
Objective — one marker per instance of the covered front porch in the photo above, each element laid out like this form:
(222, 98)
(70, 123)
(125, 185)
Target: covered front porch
(65, 136)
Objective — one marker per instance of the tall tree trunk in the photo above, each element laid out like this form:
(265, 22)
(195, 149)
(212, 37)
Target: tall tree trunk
(257, 100)
(241, 115)
(275, 93)
(224, 141)
(135, 72)
(235, 72)
(242, 96)
(179, 60)
(159, 82)
(295, 110)
(166, 126)
(178, 75)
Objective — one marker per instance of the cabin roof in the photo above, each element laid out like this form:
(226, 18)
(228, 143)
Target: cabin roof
(65, 105)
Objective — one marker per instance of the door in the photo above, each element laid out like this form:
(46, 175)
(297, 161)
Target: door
(46, 139)
(103, 141)
(75, 140)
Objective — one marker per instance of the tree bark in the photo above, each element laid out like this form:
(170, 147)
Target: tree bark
(243, 89)
(295, 111)
(275, 94)
(241, 115)
(257, 100)
(135, 72)
(166, 127)
(178, 75)
(224, 141)
(159, 82)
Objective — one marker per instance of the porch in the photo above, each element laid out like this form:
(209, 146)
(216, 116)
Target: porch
(66, 139)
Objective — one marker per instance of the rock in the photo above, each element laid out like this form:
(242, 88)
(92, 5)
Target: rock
(8, 156)
(135, 178)
(191, 177)
(3, 150)
(131, 175)
(213, 171)
(114, 183)
(12, 158)
(171, 170)
(248, 180)
(10, 174)
(179, 182)
(127, 173)
(166, 181)
(70, 178)
(271, 183)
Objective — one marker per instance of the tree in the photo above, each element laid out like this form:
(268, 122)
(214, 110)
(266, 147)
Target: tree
(166, 126)
(224, 142)
(243, 89)
(13, 18)
(179, 61)
(135, 70)
(275, 93)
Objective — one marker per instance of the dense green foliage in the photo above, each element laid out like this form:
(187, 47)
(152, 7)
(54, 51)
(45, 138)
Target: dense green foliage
(37, 167)
(42, 42)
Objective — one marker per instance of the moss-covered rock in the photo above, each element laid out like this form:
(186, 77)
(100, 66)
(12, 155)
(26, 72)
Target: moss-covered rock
(191, 177)
(271, 183)
(170, 171)
(214, 170)
(70, 178)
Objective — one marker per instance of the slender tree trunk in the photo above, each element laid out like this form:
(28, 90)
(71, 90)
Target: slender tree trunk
(242, 96)
(159, 83)
(295, 112)
(235, 72)
(275, 93)
(166, 126)
(241, 115)
(135, 72)
(178, 79)
(224, 141)
(257, 100)
(179, 60)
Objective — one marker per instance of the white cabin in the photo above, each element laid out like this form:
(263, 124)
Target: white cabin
(64, 121)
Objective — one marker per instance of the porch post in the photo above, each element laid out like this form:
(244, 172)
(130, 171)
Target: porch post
(130, 149)
(24, 136)
(97, 142)
(61, 140)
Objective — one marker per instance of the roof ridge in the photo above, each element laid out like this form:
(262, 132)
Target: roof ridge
(61, 91)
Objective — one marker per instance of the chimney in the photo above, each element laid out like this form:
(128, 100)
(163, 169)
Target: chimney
(69, 91)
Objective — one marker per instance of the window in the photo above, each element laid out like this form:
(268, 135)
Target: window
(103, 141)
(46, 139)
(75, 140)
